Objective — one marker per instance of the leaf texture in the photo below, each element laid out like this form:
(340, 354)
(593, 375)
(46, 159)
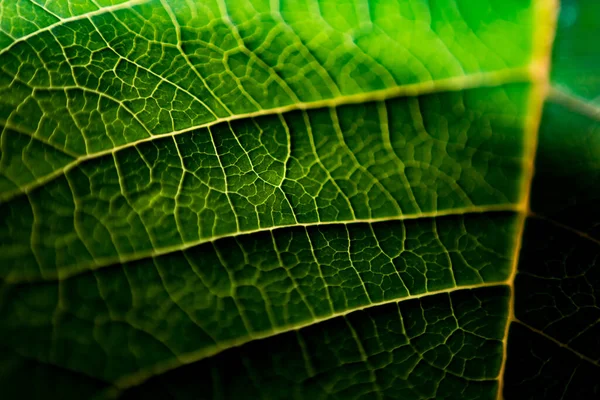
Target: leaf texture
(299, 199)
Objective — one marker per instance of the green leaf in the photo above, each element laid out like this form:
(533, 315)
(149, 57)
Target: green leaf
(553, 343)
(298, 199)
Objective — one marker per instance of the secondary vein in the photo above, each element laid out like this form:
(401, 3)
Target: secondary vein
(69, 271)
(489, 79)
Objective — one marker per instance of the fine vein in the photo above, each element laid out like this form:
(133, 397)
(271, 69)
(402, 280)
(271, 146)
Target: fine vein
(497, 78)
(99, 263)
(545, 17)
(143, 375)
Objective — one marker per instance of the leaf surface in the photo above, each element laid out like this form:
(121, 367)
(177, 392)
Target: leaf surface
(298, 199)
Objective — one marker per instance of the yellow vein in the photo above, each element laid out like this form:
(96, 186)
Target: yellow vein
(63, 21)
(43, 8)
(68, 271)
(7, 125)
(489, 79)
(545, 14)
(143, 375)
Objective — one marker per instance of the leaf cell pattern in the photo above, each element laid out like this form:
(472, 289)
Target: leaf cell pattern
(230, 199)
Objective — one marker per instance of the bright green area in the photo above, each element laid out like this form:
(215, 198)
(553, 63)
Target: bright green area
(296, 200)
(92, 83)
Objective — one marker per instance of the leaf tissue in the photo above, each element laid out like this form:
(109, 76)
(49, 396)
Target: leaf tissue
(300, 199)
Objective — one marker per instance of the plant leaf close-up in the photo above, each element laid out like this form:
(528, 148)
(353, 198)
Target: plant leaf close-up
(300, 199)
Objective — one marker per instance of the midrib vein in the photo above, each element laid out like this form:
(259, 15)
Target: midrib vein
(143, 375)
(545, 15)
(487, 79)
(100, 263)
